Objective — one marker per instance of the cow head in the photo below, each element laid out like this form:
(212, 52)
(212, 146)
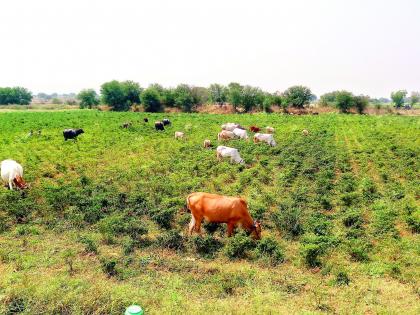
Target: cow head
(20, 183)
(79, 131)
(256, 230)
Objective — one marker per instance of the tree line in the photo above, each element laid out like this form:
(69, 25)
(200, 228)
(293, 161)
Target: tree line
(15, 95)
(123, 95)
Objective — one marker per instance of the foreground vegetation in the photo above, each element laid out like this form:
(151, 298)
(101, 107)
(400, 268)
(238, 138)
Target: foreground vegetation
(104, 222)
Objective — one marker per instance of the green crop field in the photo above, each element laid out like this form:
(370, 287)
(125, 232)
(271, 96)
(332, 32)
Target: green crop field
(103, 224)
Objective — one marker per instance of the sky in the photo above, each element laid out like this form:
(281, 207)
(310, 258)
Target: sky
(369, 47)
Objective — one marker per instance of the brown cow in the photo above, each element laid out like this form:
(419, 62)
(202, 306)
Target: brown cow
(254, 129)
(221, 209)
(225, 135)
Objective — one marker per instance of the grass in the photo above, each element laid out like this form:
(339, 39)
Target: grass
(104, 222)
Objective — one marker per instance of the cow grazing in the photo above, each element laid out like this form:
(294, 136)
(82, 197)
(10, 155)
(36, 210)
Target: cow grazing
(240, 133)
(159, 126)
(72, 133)
(254, 129)
(265, 137)
(12, 174)
(225, 135)
(126, 125)
(145, 120)
(269, 129)
(232, 153)
(231, 126)
(221, 209)
(207, 143)
(305, 132)
(179, 135)
(166, 121)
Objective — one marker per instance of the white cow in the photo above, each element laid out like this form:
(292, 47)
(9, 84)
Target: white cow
(269, 129)
(12, 173)
(240, 133)
(225, 135)
(233, 153)
(231, 126)
(265, 137)
(179, 135)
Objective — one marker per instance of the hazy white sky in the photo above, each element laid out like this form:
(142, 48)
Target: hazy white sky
(365, 46)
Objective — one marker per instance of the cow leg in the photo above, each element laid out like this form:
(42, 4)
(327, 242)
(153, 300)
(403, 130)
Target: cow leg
(198, 225)
(219, 158)
(10, 184)
(191, 226)
(230, 228)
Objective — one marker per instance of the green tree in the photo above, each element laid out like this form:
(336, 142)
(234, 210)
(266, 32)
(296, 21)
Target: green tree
(398, 98)
(297, 96)
(184, 98)
(360, 103)
(234, 94)
(328, 99)
(88, 98)
(217, 93)
(200, 95)
(151, 101)
(132, 91)
(414, 98)
(252, 97)
(114, 94)
(168, 97)
(344, 101)
(16, 95)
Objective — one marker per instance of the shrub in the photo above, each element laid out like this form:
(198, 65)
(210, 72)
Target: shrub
(268, 247)
(369, 190)
(413, 221)
(206, 246)
(171, 239)
(163, 217)
(342, 278)
(90, 245)
(238, 245)
(288, 219)
(128, 246)
(211, 227)
(358, 251)
(109, 266)
(353, 218)
(319, 224)
(384, 220)
(119, 224)
(311, 253)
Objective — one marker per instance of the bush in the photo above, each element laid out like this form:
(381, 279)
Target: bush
(413, 221)
(238, 245)
(269, 248)
(171, 239)
(384, 220)
(128, 246)
(206, 246)
(311, 253)
(163, 217)
(353, 218)
(369, 190)
(109, 266)
(119, 224)
(320, 224)
(342, 278)
(288, 220)
(90, 245)
(297, 96)
(358, 251)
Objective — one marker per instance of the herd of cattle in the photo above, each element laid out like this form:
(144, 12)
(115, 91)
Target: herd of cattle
(214, 208)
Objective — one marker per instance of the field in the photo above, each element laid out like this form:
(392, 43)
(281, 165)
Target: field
(104, 222)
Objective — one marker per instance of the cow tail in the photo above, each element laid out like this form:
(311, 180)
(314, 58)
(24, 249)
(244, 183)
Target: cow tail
(188, 203)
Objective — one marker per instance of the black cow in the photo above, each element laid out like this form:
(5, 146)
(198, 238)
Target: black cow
(166, 121)
(145, 120)
(72, 133)
(159, 126)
